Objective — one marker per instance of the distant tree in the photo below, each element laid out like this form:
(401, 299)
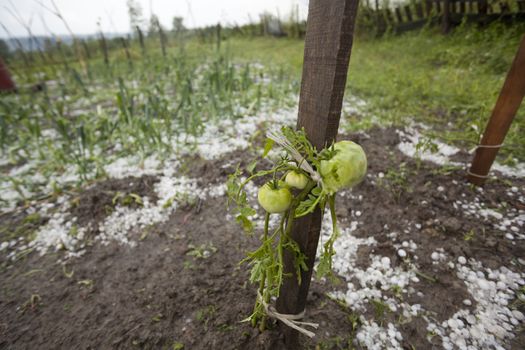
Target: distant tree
(178, 25)
(136, 18)
(154, 25)
(4, 49)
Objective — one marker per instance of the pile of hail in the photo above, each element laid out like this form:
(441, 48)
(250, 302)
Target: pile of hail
(301, 180)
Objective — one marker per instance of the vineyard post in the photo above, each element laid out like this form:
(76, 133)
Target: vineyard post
(218, 33)
(505, 110)
(328, 43)
(104, 47)
(445, 24)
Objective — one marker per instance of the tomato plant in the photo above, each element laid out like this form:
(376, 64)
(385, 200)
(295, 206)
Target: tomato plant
(300, 180)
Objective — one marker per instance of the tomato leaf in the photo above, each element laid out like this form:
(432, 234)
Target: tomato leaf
(251, 166)
(267, 147)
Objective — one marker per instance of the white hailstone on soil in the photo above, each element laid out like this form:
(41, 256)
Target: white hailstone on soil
(411, 138)
(374, 337)
(462, 260)
(402, 253)
(491, 323)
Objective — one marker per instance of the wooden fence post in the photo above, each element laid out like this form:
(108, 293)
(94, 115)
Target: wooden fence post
(521, 5)
(141, 40)
(126, 50)
(399, 16)
(104, 48)
(328, 43)
(218, 34)
(507, 105)
(462, 6)
(445, 25)
(428, 7)
(408, 13)
(419, 10)
(389, 17)
(482, 7)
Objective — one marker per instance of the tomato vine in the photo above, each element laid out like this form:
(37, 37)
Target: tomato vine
(301, 180)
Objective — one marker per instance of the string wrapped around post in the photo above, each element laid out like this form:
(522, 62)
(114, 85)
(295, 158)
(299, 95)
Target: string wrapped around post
(287, 319)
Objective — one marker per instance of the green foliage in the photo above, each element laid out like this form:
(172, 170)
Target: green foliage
(202, 251)
(448, 82)
(73, 125)
(267, 267)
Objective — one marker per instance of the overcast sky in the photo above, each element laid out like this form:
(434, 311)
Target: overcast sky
(83, 15)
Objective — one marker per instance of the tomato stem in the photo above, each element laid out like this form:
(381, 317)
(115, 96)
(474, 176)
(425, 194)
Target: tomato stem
(263, 277)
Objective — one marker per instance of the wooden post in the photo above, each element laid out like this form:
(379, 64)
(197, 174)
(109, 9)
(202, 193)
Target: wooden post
(428, 7)
(399, 17)
(438, 6)
(521, 5)
(389, 16)
(462, 6)
(104, 48)
(408, 13)
(141, 40)
(126, 50)
(419, 10)
(218, 33)
(504, 7)
(445, 25)
(470, 6)
(328, 43)
(162, 38)
(482, 7)
(507, 105)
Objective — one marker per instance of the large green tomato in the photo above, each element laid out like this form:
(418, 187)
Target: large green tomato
(274, 200)
(345, 169)
(297, 180)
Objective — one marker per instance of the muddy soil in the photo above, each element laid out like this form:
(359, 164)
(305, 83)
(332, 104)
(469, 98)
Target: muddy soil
(181, 287)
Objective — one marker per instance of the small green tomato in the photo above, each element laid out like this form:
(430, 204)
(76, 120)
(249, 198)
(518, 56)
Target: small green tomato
(345, 169)
(274, 200)
(296, 179)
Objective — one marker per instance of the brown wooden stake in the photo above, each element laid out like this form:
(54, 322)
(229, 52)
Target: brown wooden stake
(462, 6)
(398, 15)
(408, 12)
(126, 50)
(482, 7)
(419, 10)
(104, 48)
(507, 105)
(445, 24)
(521, 5)
(218, 32)
(328, 43)
(428, 7)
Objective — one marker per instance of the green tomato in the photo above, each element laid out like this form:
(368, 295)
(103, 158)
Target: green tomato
(274, 200)
(345, 169)
(296, 179)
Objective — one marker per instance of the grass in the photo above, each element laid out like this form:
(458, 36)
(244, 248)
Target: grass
(95, 113)
(449, 82)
